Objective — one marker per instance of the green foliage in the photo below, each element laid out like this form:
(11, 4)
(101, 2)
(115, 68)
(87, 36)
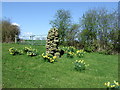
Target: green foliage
(9, 31)
(89, 49)
(69, 49)
(99, 28)
(72, 51)
(62, 22)
(71, 34)
(106, 52)
(80, 65)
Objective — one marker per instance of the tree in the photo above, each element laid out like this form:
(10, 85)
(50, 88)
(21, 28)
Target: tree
(71, 35)
(62, 22)
(114, 31)
(89, 28)
(99, 30)
(9, 31)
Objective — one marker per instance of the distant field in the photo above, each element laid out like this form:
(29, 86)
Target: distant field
(22, 71)
(33, 42)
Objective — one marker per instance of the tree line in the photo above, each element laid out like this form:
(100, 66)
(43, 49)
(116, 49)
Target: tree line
(9, 31)
(97, 30)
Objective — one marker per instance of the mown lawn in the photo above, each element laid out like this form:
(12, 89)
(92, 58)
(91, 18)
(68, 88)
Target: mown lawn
(22, 71)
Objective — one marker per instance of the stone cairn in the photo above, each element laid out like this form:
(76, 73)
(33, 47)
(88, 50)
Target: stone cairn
(52, 42)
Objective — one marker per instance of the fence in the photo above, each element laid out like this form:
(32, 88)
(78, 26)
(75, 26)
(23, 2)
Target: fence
(31, 39)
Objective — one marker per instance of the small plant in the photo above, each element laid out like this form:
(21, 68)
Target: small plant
(27, 49)
(80, 65)
(14, 51)
(69, 49)
(30, 51)
(20, 52)
(80, 53)
(70, 54)
(49, 57)
(113, 85)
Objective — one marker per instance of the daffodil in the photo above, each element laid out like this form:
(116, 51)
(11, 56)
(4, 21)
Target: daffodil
(116, 83)
(105, 84)
(108, 84)
(112, 85)
(54, 57)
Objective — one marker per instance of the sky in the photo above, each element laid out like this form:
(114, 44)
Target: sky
(34, 17)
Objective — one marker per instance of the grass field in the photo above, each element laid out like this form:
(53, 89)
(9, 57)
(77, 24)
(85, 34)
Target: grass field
(22, 71)
(33, 42)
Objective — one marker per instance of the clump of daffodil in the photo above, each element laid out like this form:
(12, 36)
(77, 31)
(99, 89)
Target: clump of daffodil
(115, 84)
(49, 57)
(14, 51)
(72, 51)
(80, 53)
(30, 51)
(70, 54)
(69, 49)
(80, 65)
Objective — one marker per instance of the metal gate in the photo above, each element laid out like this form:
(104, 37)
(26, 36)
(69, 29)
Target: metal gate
(33, 40)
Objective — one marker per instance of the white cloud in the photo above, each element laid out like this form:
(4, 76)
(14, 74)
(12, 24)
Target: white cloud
(16, 24)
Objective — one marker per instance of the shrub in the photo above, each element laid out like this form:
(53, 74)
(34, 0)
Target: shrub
(105, 52)
(89, 48)
(80, 65)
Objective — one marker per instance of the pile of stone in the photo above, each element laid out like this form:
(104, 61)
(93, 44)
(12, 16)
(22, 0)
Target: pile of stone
(52, 42)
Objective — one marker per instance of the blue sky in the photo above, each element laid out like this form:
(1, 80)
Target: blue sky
(34, 17)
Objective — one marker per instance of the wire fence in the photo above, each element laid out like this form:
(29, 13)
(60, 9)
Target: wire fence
(32, 39)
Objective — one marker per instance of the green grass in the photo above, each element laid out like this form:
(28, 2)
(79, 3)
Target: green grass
(33, 42)
(22, 71)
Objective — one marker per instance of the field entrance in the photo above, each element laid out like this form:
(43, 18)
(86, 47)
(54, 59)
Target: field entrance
(33, 40)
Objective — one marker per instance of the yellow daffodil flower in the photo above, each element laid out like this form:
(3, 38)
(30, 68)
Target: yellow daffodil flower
(105, 84)
(108, 84)
(54, 57)
(112, 85)
(116, 83)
